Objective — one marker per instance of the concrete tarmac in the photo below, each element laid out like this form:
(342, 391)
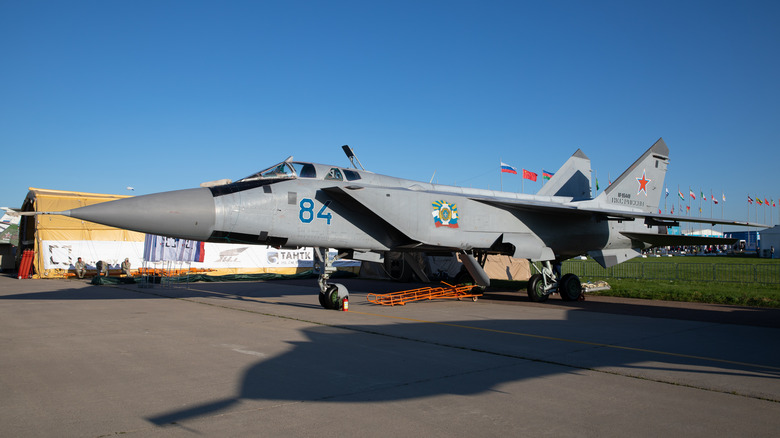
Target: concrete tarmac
(263, 359)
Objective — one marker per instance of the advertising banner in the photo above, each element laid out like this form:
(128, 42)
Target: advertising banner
(216, 256)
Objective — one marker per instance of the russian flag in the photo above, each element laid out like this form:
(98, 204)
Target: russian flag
(200, 252)
(508, 169)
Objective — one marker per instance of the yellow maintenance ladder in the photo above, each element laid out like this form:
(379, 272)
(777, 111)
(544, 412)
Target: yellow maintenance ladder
(425, 293)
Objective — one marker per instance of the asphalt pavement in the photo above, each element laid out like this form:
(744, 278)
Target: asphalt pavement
(264, 359)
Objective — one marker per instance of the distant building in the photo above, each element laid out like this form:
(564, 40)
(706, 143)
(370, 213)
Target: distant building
(770, 239)
(747, 241)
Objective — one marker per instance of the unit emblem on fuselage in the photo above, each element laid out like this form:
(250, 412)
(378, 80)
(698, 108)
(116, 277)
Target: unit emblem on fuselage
(445, 214)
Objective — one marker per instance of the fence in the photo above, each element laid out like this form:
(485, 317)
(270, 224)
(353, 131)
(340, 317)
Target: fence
(704, 272)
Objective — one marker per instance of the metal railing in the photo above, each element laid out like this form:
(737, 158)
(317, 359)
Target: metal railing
(704, 272)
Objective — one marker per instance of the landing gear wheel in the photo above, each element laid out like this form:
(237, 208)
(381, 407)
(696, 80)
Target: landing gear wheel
(330, 298)
(536, 290)
(323, 300)
(570, 287)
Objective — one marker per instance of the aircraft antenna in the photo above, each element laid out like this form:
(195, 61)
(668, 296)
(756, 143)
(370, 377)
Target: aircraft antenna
(352, 158)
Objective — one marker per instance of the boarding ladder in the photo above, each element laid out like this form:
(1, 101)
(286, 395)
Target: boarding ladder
(425, 293)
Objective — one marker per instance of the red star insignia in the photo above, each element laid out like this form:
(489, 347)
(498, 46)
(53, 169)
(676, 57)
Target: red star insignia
(643, 183)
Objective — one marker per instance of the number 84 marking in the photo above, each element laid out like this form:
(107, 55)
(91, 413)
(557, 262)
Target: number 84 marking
(306, 214)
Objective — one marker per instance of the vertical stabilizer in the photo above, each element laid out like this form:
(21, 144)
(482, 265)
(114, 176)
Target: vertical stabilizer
(641, 185)
(572, 179)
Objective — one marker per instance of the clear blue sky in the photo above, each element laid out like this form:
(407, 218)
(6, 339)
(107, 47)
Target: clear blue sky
(160, 95)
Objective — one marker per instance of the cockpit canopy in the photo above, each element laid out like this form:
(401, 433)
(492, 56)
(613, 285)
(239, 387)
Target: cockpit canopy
(294, 169)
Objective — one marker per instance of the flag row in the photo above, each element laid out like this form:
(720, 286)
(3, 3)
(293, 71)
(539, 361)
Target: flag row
(527, 174)
(758, 201)
(701, 193)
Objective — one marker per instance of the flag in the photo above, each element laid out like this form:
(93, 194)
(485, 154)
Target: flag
(529, 175)
(724, 197)
(547, 175)
(750, 200)
(692, 195)
(667, 193)
(508, 169)
(715, 201)
(688, 207)
(758, 200)
(773, 203)
(682, 197)
(702, 196)
(672, 209)
(766, 202)
(597, 184)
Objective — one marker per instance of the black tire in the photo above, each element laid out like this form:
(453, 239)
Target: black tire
(323, 300)
(327, 299)
(570, 287)
(536, 289)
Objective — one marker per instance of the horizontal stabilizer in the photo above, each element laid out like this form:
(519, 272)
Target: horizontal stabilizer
(677, 240)
(608, 258)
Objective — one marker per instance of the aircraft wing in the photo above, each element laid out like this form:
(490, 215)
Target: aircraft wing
(610, 214)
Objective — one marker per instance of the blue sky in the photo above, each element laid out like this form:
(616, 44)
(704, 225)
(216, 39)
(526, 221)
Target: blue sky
(160, 95)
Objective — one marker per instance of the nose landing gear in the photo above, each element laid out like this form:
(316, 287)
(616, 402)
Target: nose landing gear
(331, 295)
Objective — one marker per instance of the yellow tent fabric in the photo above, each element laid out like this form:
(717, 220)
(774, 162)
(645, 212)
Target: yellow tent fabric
(63, 228)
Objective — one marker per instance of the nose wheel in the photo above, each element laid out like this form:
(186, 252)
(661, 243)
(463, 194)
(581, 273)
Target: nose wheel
(331, 295)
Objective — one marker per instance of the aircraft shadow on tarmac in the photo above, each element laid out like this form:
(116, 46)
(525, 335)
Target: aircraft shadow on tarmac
(753, 316)
(408, 361)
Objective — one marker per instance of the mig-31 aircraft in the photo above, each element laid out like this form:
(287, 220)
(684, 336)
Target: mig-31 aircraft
(364, 215)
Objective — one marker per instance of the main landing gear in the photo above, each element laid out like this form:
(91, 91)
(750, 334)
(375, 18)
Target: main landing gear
(332, 295)
(549, 280)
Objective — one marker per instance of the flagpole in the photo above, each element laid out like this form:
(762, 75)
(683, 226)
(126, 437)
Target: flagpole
(501, 173)
(722, 199)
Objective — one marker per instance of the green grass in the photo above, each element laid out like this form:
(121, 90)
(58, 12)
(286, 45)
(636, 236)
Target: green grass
(759, 295)
(733, 293)
(740, 260)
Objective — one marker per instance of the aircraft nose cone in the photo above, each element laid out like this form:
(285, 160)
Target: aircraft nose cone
(186, 214)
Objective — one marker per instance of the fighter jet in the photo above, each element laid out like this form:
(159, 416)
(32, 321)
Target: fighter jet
(366, 215)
